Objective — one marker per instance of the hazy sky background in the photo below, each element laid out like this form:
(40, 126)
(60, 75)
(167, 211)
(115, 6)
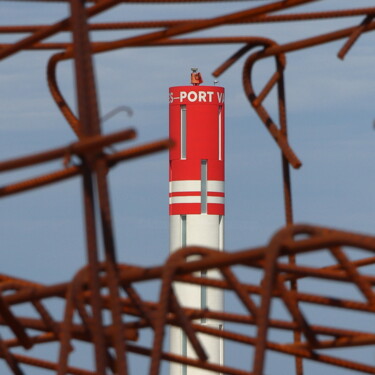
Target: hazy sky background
(330, 117)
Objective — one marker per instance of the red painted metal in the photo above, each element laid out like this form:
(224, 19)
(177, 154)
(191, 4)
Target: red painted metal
(203, 138)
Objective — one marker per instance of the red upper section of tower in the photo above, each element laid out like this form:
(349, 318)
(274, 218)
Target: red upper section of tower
(196, 125)
(204, 122)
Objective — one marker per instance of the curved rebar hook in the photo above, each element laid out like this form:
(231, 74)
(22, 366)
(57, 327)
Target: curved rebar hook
(57, 95)
(62, 104)
(270, 282)
(256, 100)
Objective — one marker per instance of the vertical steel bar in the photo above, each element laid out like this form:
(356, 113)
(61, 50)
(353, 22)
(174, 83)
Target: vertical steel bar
(284, 131)
(99, 166)
(65, 332)
(111, 266)
(287, 186)
(88, 116)
(160, 318)
(265, 307)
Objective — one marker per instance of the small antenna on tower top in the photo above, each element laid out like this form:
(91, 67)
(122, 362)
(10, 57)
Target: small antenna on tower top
(196, 77)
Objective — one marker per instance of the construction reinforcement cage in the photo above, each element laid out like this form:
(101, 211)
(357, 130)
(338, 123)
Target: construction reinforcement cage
(102, 307)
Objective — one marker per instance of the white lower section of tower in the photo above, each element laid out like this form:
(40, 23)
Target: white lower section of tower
(206, 231)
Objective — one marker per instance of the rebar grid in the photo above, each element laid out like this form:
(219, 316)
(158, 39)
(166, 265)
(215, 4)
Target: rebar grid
(112, 287)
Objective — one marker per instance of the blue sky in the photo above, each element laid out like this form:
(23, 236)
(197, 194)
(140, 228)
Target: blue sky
(330, 113)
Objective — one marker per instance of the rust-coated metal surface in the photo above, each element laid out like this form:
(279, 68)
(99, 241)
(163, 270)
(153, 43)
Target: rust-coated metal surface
(102, 305)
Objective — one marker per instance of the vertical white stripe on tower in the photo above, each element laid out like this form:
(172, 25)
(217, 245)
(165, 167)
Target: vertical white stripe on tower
(220, 125)
(183, 131)
(203, 186)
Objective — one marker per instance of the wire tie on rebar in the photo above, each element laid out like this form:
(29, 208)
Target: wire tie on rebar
(67, 161)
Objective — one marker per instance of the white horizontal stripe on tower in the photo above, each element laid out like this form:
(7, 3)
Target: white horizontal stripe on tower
(215, 186)
(195, 199)
(186, 199)
(195, 185)
(215, 200)
(185, 185)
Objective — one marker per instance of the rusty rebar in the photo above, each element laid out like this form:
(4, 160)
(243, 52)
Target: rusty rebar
(95, 288)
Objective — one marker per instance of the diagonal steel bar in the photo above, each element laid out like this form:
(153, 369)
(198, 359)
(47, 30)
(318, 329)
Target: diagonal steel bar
(73, 171)
(363, 285)
(355, 35)
(49, 31)
(186, 326)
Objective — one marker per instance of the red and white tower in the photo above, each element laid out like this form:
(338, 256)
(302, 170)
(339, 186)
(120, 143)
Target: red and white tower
(196, 199)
